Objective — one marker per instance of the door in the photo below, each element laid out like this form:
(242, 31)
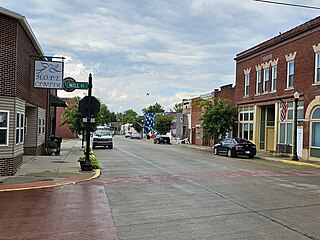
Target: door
(270, 138)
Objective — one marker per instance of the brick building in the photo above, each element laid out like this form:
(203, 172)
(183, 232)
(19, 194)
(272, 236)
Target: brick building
(268, 75)
(24, 116)
(63, 131)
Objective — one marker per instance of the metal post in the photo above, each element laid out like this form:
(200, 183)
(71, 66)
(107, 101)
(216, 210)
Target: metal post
(296, 99)
(87, 164)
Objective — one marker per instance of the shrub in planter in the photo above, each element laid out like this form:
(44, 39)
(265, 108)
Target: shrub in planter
(92, 158)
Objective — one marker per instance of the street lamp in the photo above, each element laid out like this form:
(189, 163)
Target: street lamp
(296, 99)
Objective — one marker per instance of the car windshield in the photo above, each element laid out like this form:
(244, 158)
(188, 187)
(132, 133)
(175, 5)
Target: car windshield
(102, 133)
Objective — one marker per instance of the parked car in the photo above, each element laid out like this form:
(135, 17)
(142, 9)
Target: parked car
(161, 139)
(234, 147)
(135, 135)
(102, 138)
(128, 135)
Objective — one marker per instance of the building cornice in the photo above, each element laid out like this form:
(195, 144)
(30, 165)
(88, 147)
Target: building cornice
(280, 38)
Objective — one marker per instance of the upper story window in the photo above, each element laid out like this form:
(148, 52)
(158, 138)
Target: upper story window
(274, 79)
(258, 83)
(290, 74)
(246, 84)
(290, 69)
(317, 69)
(4, 128)
(266, 74)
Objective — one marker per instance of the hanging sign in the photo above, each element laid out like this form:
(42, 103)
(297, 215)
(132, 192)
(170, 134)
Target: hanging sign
(48, 74)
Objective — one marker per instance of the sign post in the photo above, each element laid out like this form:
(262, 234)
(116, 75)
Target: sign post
(87, 164)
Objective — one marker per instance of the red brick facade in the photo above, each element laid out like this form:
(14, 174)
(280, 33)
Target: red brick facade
(63, 131)
(296, 45)
(18, 45)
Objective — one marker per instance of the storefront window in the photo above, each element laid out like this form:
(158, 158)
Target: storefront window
(315, 133)
(246, 117)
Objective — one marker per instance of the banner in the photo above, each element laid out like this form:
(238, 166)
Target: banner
(283, 113)
(48, 74)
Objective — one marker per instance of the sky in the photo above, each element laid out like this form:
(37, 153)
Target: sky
(142, 52)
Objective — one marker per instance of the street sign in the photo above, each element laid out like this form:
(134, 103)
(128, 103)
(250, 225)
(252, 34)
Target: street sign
(94, 108)
(85, 120)
(77, 85)
(66, 82)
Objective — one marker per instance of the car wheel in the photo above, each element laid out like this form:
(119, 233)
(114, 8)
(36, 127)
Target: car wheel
(251, 156)
(93, 147)
(230, 153)
(216, 151)
(111, 147)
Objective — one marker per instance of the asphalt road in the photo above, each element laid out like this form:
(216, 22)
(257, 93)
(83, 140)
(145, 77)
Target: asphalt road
(173, 192)
(151, 191)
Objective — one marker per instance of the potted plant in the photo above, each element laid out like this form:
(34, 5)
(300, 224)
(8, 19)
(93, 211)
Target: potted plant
(52, 147)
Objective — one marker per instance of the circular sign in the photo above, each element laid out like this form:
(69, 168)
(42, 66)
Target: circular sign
(67, 82)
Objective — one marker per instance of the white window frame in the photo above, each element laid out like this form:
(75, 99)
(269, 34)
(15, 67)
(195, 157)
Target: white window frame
(266, 77)
(258, 82)
(249, 122)
(246, 84)
(19, 133)
(6, 128)
(274, 78)
(41, 126)
(317, 68)
(290, 74)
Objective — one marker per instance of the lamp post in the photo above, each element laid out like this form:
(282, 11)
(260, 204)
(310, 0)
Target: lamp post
(296, 99)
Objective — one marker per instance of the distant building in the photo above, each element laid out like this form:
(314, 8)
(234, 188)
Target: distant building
(63, 130)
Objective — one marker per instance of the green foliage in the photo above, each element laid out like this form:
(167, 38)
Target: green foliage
(163, 123)
(218, 117)
(138, 123)
(128, 116)
(92, 158)
(177, 107)
(156, 108)
(52, 145)
(74, 119)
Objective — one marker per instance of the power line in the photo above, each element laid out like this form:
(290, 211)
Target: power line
(288, 4)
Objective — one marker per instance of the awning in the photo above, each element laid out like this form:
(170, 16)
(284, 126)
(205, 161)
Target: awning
(57, 102)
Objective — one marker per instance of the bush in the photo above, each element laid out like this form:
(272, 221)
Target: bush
(52, 145)
(92, 158)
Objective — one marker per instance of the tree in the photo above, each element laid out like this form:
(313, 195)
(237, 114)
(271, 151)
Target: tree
(163, 123)
(177, 107)
(156, 108)
(128, 116)
(138, 123)
(217, 118)
(74, 119)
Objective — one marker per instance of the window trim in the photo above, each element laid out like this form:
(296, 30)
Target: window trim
(316, 67)
(274, 76)
(19, 138)
(6, 128)
(288, 74)
(258, 83)
(264, 80)
(246, 84)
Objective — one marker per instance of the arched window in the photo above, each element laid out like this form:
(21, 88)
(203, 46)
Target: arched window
(315, 133)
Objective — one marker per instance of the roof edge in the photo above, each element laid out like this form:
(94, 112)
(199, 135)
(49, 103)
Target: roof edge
(25, 25)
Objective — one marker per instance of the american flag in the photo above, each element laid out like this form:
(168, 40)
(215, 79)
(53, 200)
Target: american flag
(283, 114)
(149, 122)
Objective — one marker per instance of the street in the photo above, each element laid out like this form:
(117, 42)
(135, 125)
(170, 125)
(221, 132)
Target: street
(156, 191)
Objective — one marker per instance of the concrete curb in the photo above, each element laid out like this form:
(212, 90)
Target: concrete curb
(304, 164)
(48, 184)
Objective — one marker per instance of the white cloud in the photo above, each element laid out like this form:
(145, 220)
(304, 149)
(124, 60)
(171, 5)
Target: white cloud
(169, 49)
